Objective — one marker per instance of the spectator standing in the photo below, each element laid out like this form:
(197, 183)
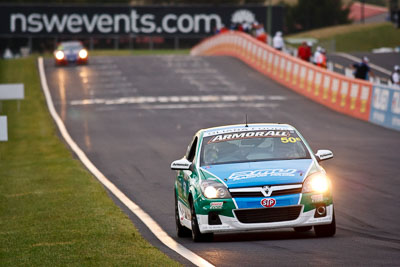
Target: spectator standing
(320, 58)
(260, 33)
(278, 42)
(362, 69)
(395, 76)
(304, 52)
(317, 54)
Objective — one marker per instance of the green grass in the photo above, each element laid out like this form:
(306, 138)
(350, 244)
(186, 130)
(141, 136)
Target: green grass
(52, 211)
(356, 37)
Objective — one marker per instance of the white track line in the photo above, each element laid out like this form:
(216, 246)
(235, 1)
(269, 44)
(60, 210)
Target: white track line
(153, 226)
(356, 59)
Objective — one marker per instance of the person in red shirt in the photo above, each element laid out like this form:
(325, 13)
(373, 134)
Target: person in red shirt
(304, 52)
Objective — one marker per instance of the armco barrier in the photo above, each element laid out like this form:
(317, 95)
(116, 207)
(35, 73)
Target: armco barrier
(343, 94)
(385, 106)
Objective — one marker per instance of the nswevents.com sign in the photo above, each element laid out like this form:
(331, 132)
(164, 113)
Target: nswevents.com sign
(55, 20)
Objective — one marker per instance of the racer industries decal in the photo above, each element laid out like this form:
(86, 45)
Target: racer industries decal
(261, 173)
(268, 202)
(216, 205)
(246, 135)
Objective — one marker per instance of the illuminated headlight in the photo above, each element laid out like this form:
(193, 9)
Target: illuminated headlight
(59, 55)
(212, 189)
(317, 182)
(83, 53)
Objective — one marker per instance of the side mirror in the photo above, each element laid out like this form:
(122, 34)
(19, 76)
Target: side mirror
(324, 154)
(181, 165)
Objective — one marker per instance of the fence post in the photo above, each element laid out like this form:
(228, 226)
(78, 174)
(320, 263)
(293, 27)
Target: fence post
(30, 44)
(151, 45)
(176, 43)
(116, 43)
(130, 42)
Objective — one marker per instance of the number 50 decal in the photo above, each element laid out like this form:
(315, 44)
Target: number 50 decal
(290, 139)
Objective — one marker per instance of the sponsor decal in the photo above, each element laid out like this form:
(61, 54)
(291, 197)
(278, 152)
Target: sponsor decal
(246, 135)
(317, 198)
(261, 173)
(216, 205)
(268, 202)
(396, 103)
(124, 19)
(243, 16)
(380, 99)
(180, 164)
(130, 21)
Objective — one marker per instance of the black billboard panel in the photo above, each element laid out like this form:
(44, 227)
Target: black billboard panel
(122, 20)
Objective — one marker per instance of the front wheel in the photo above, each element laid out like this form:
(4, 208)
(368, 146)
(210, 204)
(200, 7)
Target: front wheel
(326, 230)
(181, 231)
(197, 236)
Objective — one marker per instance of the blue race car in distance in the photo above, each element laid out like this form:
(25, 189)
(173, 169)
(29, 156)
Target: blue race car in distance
(71, 52)
(251, 177)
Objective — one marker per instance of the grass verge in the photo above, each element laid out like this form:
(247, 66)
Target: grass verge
(356, 37)
(52, 211)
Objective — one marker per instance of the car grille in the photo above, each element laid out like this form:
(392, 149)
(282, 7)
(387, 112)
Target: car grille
(274, 193)
(274, 190)
(268, 215)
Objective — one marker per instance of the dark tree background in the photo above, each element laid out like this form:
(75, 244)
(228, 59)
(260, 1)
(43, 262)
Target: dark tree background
(312, 14)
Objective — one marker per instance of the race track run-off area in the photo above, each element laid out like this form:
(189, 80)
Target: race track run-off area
(132, 116)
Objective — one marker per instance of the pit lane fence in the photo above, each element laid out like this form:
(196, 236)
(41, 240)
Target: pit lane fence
(354, 97)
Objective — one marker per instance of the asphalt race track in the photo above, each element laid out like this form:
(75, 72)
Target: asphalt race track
(134, 115)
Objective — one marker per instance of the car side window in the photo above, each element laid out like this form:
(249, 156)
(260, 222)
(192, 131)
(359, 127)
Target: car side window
(192, 150)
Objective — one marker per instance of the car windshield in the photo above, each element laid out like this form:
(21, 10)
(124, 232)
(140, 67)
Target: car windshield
(69, 46)
(252, 146)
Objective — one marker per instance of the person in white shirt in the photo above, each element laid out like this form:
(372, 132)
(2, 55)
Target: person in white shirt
(278, 42)
(317, 55)
(395, 77)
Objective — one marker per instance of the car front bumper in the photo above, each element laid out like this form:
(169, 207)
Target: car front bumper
(232, 224)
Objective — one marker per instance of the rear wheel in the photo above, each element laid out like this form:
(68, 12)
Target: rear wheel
(181, 231)
(197, 236)
(302, 229)
(326, 230)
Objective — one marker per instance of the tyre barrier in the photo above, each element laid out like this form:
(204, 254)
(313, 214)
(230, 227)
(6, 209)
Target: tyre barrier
(343, 94)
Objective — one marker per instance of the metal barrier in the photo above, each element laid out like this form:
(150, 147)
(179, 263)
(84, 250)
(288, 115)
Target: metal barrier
(385, 106)
(376, 103)
(343, 94)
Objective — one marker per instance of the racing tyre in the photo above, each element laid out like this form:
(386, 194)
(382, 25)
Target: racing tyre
(302, 229)
(326, 230)
(197, 236)
(181, 231)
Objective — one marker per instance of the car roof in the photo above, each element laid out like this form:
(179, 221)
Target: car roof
(243, 127)
(71, 43)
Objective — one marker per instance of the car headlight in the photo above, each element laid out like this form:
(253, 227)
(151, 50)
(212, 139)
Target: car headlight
(212, 189)
(317, 182)
(83, 53)
(59, 55)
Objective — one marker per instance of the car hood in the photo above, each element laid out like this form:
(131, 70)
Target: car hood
(260, 173)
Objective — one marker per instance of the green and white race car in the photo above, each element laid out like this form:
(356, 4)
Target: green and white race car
(251, 177)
